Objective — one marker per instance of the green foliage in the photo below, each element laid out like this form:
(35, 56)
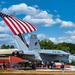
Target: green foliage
(72, 63)
(7, 46)
(63, 46)
(48, 44)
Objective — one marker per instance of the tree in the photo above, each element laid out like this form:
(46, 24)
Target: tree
(43, 44)
(12, 46)
(50, 44)
(46, 44)
(7, 46)
(66, 46)
(3, 46)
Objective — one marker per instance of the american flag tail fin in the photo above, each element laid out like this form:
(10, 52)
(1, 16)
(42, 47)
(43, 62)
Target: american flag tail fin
(17, 25)
(23, 39)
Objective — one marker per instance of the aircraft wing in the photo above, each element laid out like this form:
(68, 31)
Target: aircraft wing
(29, 55)
(14, 52)
(7, 52)
(53, 52)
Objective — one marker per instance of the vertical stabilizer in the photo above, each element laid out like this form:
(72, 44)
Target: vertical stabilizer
(23, 39)
(20, 43)
(34, 43)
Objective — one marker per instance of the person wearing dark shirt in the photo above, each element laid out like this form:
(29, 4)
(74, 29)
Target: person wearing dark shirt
(4, 66)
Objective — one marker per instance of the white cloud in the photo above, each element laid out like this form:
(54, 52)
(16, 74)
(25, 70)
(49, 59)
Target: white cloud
(43, 14)
(39, 21)
(58, 20)
(70, 32)
(6, 39)
(4, 29)
(3, 2)
(4, 35)
(33, 15)
(53, 39)
(67, 24)
(20, 9)
(55, 11)
(37, 16)
(66, 39)
(70, 39)
(73, 37)
(61, 39)
(2, 23)
(35, 6)
(41, 18)
(43, 36)
(57, 16)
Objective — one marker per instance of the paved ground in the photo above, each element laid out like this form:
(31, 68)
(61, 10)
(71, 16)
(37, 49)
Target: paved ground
(37, 72)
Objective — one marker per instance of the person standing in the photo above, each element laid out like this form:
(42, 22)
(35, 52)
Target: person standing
(48, 64)
(62, 66)
(4, 66)
(51, 64)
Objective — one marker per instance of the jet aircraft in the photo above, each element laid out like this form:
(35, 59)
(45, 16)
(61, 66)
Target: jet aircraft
(34, 53)
(31, 51)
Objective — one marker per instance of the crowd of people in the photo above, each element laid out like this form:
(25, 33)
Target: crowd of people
(53, 65)
(50, 64)
(3, 66)
(32, 65)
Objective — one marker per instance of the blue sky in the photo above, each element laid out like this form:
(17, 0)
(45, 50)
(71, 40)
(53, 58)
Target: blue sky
(54, 19)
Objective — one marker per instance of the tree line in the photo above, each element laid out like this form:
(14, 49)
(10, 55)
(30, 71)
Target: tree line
(7, 46)
(48, 44)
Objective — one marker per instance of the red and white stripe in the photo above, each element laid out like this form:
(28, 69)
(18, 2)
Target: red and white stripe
(19, 26)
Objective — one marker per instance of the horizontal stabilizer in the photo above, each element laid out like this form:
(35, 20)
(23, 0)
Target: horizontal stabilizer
(53, 52)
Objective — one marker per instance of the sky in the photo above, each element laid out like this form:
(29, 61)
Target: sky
(54, 19)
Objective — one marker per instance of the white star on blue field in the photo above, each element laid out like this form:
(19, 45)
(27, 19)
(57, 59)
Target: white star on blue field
(54, 19)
